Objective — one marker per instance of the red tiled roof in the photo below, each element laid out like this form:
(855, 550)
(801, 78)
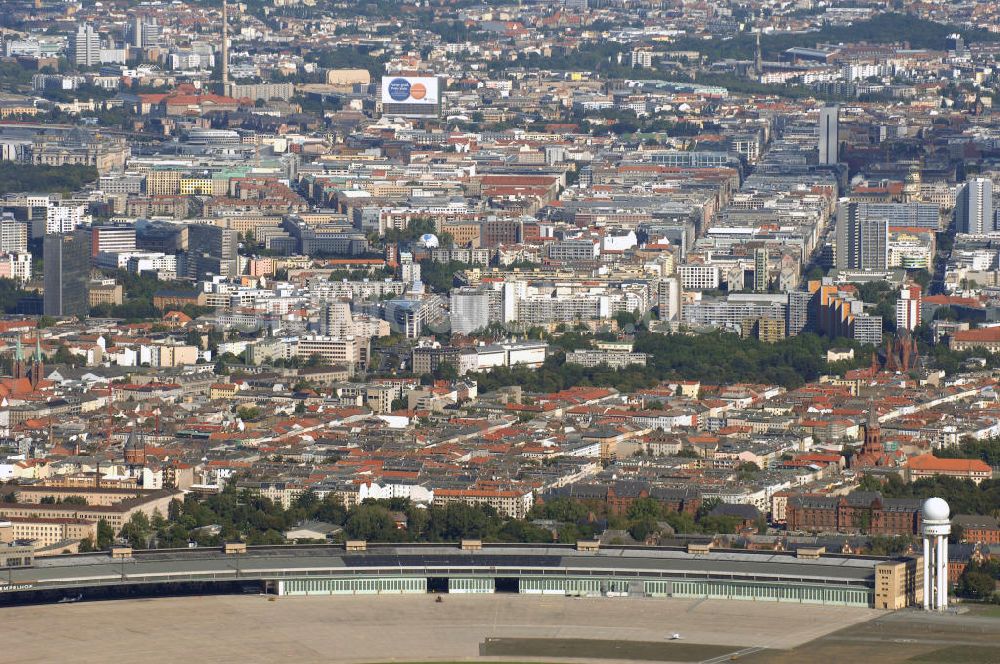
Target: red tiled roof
(931, 463)
(979, 334)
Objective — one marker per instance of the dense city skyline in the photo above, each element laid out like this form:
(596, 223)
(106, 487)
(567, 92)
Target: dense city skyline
(712, 286)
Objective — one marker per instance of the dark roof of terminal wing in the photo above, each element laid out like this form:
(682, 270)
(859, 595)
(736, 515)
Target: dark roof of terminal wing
(836, 569)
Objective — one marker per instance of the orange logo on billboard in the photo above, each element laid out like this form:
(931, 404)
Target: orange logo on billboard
(418, 91)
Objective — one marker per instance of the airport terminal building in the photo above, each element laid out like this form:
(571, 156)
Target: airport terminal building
(805, 576)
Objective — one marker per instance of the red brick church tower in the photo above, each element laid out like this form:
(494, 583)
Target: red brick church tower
(872, 452)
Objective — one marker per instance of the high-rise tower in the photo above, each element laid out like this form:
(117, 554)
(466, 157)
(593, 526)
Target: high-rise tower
(85, 46)
(66, 273)
(225, 47)
(829, 130)
(974, 207)
(908, 307)
(862, 238)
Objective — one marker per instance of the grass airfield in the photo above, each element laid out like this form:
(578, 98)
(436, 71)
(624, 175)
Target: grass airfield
(518, 628)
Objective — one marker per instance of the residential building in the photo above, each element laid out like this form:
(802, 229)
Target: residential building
(13, 234)
(513, 503)
(50, 531)
(16, 266)
(610, 358)
(63, 218)
(908, 307)
(470, 310)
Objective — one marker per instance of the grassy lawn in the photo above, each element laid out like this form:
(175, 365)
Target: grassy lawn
(984, 610)
(672, 651)
(959, 655)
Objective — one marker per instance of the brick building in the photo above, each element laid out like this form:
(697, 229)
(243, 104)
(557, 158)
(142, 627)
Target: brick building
(977, 529)
(619, 496)
(960, 556)
(861, 512)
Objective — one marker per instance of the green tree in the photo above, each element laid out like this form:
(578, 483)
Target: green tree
(307, 501)
(63, 355)
(565, 510)
(644, 509)
(975, 584)
(329, 510)
(712, 525)
(137, 530)
(372, 523)
(174, 510)
(516, 530)
(456, 521)
(417, 227)
(440, 277)
(747, 471)
(570, 532)
(248, 413)
(44, 179)
(681, 522)
(643, 528)
(987, 449)
(105, 535)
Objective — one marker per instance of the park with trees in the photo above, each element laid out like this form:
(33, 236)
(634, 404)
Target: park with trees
(716, 358)
(237, 514)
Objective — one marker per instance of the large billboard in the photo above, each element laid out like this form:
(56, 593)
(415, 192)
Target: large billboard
(411, 95)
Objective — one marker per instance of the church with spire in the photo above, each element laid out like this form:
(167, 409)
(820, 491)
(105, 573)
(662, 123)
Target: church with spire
(134, 454)
(872, 453)
(23, 369)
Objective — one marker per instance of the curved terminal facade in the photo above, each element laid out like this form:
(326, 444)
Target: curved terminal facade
(810, 577)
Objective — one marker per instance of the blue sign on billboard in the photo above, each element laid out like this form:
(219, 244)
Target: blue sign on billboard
(399, 89)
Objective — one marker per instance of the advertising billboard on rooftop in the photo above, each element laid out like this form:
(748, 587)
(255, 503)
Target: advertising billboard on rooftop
(410, 90)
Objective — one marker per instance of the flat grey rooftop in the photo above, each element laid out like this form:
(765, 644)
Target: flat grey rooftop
(446, 559)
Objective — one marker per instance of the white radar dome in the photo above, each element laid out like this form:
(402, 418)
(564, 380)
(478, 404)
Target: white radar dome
(429, 240)
(935, 509)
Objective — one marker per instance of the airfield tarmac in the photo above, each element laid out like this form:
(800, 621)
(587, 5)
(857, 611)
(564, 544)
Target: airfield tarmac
(386, 628)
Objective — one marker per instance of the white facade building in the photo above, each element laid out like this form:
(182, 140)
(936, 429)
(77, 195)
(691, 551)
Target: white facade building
(65, 218)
